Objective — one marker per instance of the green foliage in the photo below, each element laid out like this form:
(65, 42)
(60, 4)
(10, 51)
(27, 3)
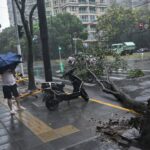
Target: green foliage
(116, 22)
(83, 35)
(118, 63)
(8, 40)
(62, 29)
(120, 24)
(141, 37)
(102, 65)
(135, 73)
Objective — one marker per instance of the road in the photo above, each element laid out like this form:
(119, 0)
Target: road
(142, 64)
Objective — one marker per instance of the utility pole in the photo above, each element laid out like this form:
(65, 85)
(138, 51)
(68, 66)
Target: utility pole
(17, 35)
(60, 60)
(44, 39)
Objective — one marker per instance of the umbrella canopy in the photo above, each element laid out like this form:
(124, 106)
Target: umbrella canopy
(9, 61)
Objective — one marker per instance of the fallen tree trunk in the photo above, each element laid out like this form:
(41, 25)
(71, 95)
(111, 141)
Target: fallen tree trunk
(110, 88)
(145, 128)
(142, 108)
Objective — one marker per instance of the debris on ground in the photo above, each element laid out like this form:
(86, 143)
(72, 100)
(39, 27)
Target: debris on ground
(120, 131)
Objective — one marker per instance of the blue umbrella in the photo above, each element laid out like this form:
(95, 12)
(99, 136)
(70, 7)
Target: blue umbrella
(9, 61)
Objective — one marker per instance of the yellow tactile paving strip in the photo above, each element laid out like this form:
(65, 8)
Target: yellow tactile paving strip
(42, 130)
(58, 133)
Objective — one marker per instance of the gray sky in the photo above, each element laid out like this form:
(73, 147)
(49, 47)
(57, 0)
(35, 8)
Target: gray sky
(4, 19)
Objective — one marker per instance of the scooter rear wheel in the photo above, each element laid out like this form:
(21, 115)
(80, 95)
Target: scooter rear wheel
(84, 95)
(51, 104)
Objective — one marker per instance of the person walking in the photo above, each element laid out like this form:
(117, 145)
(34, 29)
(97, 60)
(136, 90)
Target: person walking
(10, 89)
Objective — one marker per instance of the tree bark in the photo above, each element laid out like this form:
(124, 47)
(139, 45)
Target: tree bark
(110, 88)
(145, 128)
(44, 39)
(31, 19)
(31, 84)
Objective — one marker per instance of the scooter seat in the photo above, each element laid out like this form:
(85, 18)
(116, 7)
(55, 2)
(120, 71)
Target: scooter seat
(60, 84)
(57, 85)
(45, 85)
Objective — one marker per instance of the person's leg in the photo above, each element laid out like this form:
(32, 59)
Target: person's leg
(12, 111)
(16, 95)
(9, 102)
(8, 96)
(18, 104)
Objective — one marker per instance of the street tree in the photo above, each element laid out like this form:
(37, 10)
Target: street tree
(27, 24)
(7, 40)
(8, 43)
(141, 33)
(44, 39)
(63, 28)
(114, 26)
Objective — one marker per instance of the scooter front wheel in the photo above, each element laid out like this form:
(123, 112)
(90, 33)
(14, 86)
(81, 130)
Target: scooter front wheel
(84, 95)
(51, 104)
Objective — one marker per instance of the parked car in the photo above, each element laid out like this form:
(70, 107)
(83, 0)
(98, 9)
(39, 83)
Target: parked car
(142, 50)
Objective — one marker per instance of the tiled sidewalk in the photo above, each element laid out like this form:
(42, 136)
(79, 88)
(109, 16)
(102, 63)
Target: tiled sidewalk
(6, 142)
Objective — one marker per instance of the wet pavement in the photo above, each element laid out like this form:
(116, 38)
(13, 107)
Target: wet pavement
(69, 127)
(72, 126)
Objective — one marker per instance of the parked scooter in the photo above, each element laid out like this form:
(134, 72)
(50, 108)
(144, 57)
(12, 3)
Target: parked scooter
(54, 91)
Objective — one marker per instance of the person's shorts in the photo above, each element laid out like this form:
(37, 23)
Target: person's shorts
(10, 91)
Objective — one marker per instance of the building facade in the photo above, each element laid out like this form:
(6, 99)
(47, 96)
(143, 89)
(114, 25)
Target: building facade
(86, 10)
(141, 4)
(29, 5)
(144, 4)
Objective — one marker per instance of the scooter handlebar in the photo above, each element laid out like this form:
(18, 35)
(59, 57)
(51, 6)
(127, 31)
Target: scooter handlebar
(69, 72)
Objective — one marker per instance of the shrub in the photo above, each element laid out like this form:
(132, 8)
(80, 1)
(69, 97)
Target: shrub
(135, 73)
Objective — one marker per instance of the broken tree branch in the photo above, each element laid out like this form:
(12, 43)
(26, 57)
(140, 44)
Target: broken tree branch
(123, 98)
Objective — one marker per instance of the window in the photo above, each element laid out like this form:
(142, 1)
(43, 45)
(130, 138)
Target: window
(85, 27)
(64, 10)
(63, 1)
(92, 10)
(47, 4)
(72, 8)
(82, 10)
(92, 27)
(55, 12)
(91, 1)
(82, 1)
(92, 18)
(55, 2)
(102, 1)
(84, 18)
(91, 36)
(49, 13)
(102, 9)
